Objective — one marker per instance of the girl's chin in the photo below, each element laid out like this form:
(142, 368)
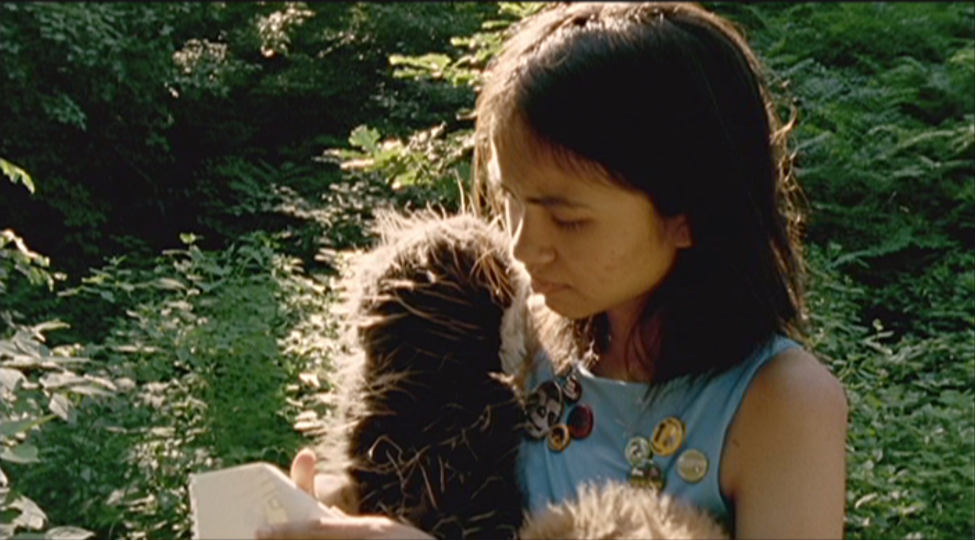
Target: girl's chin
(560, 305)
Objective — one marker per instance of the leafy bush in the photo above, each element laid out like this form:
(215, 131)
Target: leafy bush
(910, 439)
(210, 367)
(37, 385)
(34, 379)
(434, 163)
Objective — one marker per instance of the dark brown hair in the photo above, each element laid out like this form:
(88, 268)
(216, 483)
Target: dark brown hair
(667, 99)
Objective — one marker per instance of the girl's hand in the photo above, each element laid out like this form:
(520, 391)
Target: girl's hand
(345, 527)
(342, 527)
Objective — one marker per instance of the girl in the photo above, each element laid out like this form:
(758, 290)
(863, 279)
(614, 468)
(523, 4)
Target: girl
(640, 165)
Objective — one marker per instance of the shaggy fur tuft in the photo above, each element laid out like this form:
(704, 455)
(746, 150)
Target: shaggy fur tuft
(618, 511)
(435, 443)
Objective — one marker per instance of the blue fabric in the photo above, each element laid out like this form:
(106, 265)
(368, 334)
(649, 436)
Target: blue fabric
(705, 406)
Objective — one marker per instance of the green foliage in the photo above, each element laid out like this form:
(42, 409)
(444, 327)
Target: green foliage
(886, 145)
(208, 366)
(435, 161)
(910, 439)
(431, 167)
(175, 90)
(16, 174)
(37, 385)
(20, 258)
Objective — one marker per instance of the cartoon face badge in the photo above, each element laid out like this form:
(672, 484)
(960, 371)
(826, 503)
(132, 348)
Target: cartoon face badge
(544, 408)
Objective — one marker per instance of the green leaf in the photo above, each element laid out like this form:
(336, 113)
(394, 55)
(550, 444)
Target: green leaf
(16, 174)
(9, 378)
(24, 453)
(90, 390)
(170, 283)
(67, 532)
(9, 428)
(61, 406)
(49, 326)
(31, 516)
(62, 379)
(433, 61)
(365, 138)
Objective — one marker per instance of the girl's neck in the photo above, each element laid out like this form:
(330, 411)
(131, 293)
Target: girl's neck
(629, 355)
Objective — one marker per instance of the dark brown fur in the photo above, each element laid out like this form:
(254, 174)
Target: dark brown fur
(437, 439)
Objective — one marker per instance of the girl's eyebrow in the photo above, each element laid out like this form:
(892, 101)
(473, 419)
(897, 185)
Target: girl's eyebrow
(556, 201)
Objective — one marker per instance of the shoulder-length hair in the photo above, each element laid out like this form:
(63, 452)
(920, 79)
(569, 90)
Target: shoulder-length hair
(668, 99)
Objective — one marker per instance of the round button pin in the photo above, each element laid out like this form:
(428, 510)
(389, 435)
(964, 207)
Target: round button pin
(571, 388)
(667, 437)
(544, 407)
(692, 465)
(559, 438)
(647, 475)
(655, 476)
(637, 451)
(580, 421)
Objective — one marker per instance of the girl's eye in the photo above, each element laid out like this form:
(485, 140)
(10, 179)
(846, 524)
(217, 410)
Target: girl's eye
(569, 225)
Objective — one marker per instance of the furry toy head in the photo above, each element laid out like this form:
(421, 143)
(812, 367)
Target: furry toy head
(436, 442)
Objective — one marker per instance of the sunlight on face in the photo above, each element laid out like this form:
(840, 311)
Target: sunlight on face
(589, 245)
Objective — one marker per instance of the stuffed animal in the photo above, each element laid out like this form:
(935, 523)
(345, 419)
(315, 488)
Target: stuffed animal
(432, 408)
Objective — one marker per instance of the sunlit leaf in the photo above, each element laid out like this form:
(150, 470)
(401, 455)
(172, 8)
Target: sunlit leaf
(31, 515)
(67, 532)
(60, 406)
(16, 174)
(9, 378)
(24, 453)
(90, 390)
(9, 428)
(60, 379)
(365, 138)
(170, 283)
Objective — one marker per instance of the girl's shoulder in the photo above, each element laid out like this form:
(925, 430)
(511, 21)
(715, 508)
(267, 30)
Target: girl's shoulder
(795, 387)
(790, 428)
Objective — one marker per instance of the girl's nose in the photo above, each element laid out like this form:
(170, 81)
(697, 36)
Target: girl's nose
(530, 243)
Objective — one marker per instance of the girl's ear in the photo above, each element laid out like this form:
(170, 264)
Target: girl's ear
(677, 229)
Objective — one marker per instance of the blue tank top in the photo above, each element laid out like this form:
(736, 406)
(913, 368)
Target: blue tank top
(670, 435)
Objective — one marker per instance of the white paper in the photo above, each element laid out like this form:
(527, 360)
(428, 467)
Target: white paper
(235, 502)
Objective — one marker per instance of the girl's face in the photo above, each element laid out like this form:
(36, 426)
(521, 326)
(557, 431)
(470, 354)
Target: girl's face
(589, 245)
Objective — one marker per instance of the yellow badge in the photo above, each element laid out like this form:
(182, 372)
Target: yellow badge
(558, 438)
(692, 465)
(667, 436)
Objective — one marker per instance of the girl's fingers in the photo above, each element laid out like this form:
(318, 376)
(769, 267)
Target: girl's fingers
(342, 528)
(303, 471)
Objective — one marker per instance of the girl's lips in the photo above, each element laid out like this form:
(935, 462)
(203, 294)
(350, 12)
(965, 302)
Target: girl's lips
(544, 288)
